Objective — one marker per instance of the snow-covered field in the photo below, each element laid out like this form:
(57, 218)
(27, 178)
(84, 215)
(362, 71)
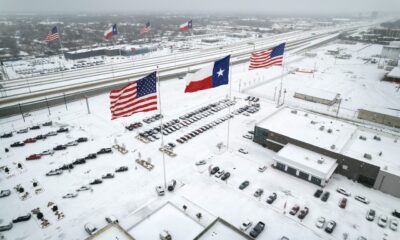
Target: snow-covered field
(131, 195)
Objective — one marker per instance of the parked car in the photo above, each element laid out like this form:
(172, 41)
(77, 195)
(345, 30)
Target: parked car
(52, 133)
(17, 144)
(361, 199)
(47, 152)
(96, 181)
(343, 203)
(241, 150)
(24, 130)
(70, 195)
(214, 170)
(81, 139)
(164, 235)
(54, 172)
(111, 219)
(79, 161)
(262, 168)
(244, 185)
(258, 192)
(171, 185)
(29, 140)
(121, 169)
(6, 135)
(219, 173)
(34, 157)
(104, 150)
(107, 176)
(318, 193)
(6, 227)
(271, 198)
(248, 136)
(84, 188)
(246, 225)
(60, 147)
(90, 229)
(91, 156)
(5, 193)
(72, 143)
(258, 228)
(343, 191)
(370, 215)
(294, 210)
(35, 127)
(320, 222)
(382, 221)
(330, 226)
(303, 213)
(60, 130)
(393, 224)
(201, 162)
(325, 196)
(160, 190)
(46, 124)
(22, 218)
(225, 176)
(40, 137)
(395, 213)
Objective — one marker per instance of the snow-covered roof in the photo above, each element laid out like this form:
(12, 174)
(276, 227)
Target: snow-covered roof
(310, 128)
(319, 93)
(219, 230)
(307, 161)
(395, 73)
(383, 110)
(111, 231)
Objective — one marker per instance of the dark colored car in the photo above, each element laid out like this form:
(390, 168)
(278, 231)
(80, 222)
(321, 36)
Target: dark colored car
(121, 169)
(29, 140)
(303, 213)
(271, 198)
(318, 193)
(46, 124)
(343, 203)
(244, 185)
(66, 166)
(79, 161)
(258, 228)
(34, 157)
(59, 147)
(325, 196)
(330, 226)
(6, 227)
(171, 185)
(214, 170)
(104, 150)
(40, 137)
(60, 130)
(225, 176)
(34, 127)
(108, 176)
(294, 210)
(6, 135)
(96, 181)
(91, 156)
(81, 139)
(395, 213)
(22, 218)
(17, 144)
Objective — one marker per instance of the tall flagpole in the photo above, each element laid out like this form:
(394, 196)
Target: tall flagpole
(161, 128)
(62, 52)
(281, 83)
(230, 94)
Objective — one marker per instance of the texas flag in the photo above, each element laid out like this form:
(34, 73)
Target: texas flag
(111, 32)
(210, 76)
(186, 26)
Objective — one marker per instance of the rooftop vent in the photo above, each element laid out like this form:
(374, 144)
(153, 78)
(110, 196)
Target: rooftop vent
(333, 146)
(329, 130)
(294, 111)
(313, 122)
(321, 160)
(322, 128)
(306, 114)
(363, 138)
(367, 156)
(377, 138)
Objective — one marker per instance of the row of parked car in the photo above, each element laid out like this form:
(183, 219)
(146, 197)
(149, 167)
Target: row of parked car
(170, 187)
(219, 173)
(57, 148)
(383, 220)
(38, 137)
(153, 118)
(133, 126)
(303, 212)
(9, 226)
(25, 130)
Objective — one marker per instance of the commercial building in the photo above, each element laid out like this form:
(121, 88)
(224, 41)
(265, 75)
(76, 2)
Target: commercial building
(388, 117)
(364, 155)
(391, 51)
(394, 75)
(221, 229)
(317, 96)
(123, 50)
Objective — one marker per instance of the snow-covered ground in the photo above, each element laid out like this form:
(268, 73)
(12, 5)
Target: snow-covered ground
(131, 195)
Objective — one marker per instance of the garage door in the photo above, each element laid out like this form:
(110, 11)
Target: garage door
(280, 166)
(292, 171)
(316, 180)
(303, 175)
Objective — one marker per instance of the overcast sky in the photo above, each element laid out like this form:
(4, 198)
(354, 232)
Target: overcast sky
(245, 6)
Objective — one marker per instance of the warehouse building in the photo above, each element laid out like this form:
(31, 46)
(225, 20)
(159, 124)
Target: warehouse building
(391, 51)
(317, 96)
(107, 51)
(364, 155)
(388, 117)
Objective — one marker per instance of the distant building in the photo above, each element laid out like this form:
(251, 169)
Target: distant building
(107, 51)
(386, 117)
(367, 156)
(394, 75)
(317, 96)
(391, 51)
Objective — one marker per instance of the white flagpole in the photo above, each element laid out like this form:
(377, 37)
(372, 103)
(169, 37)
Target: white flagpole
(161, 127)
(230, 95)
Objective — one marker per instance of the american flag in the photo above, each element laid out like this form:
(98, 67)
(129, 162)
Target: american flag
(267, 58)
(138, 96)
(53, 35)
(146, 28)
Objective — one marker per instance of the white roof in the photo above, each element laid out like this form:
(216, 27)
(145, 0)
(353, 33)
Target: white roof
(306, 128)
(307, 161)
(220, 231)
(111, 232)
(319, 93)
(395, 73)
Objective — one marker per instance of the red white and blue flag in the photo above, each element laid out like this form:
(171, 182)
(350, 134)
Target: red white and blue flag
(138, 96)
(53, 35)
(186, 26)
(267, 58)
(210, 76)
(146, 28)
(111, 32)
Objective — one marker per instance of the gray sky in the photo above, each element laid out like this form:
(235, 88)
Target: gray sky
(245, 6)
